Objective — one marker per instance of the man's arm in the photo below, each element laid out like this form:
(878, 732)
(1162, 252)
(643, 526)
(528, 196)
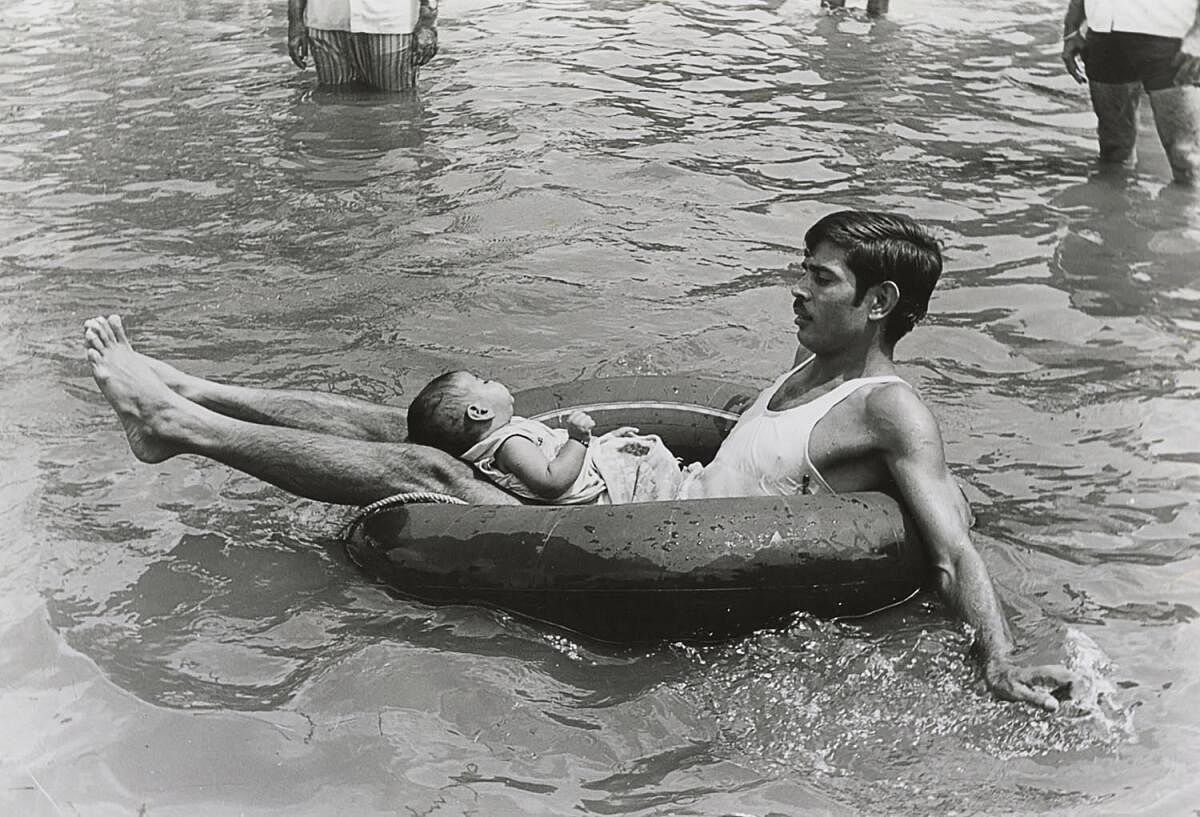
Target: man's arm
(909, 439)
(425, 36)
(297, 41)
(1072, 46)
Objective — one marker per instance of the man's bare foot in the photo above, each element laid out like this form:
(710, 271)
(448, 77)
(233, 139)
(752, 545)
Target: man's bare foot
(141, 400)
(177, 381)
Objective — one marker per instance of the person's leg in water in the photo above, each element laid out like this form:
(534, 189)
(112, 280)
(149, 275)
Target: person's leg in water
(1177, 118)
(309, 410)
(1116, 107)
(1115, 85)
(161, 423)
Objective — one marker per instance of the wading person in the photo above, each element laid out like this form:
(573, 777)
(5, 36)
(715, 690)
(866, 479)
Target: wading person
(875, 8)
(378, 43)
(1135, 45)
(843, 420)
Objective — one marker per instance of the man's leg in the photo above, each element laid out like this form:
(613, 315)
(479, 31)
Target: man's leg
(161, 424)
(1116, 107)
(308, 410)
(386, 60)
(1177, 118)
(324, 413)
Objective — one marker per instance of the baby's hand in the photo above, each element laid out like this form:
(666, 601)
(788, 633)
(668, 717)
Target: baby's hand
(579, 426)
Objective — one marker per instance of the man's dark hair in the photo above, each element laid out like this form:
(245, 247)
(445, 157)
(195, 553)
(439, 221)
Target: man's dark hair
(437, 416)
(884, 247)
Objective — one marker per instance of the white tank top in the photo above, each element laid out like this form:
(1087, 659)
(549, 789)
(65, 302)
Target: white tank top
(767, 451)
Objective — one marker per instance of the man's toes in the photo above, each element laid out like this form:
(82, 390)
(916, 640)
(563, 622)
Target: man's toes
(98, 326)
(105, 331)
(97, 329)
(118, 328)
(91, 339)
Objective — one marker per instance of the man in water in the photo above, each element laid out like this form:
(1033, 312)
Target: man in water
(1136, 44)
(842, 420)
(379, 43)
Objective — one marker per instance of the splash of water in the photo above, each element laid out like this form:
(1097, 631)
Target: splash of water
(845, 707)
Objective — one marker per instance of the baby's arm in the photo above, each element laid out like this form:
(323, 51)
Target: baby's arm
(548, 479)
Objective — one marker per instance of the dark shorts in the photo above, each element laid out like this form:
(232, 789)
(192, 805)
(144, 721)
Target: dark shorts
(1119, 58)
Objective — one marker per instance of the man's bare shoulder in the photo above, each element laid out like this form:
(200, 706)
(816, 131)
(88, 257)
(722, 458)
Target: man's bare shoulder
(899, 418)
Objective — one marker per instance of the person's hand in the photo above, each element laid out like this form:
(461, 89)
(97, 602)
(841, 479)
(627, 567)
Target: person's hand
(1072, 56)
(298, 45)
(579, 426)
(1039, 686)
(623, 431)
(425, 43)
(1187, 60)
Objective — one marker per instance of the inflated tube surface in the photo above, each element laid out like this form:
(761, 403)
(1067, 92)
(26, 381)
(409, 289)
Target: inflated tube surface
(690, 569)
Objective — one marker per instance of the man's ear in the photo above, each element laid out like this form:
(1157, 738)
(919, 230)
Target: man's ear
(479, 413)
(885, 299)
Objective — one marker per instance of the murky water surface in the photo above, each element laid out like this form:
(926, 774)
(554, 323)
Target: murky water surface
(582, 188)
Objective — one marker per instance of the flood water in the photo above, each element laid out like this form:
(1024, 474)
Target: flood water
(581, 188)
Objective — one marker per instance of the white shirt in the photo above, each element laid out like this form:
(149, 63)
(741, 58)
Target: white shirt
(363, 16)
(1165, 18)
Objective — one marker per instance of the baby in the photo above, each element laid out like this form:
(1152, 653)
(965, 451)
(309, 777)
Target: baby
(472, 418)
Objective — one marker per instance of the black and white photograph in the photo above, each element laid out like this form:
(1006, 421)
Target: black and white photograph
(610, 408)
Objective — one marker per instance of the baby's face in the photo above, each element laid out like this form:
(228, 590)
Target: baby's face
(490, 394)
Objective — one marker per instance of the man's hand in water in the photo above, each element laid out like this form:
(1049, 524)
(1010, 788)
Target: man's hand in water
(425, 36)
(298, 47)
(1042, 686)
(297, 41)
(425, 43)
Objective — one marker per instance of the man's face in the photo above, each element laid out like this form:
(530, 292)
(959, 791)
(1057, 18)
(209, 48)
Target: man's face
(826, 317)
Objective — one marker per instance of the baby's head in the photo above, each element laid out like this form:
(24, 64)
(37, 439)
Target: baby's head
(457, 410)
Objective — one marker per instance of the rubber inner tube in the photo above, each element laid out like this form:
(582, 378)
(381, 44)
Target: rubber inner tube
(679, 570)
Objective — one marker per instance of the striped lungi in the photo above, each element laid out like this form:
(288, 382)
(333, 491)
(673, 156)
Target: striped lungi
(383, 61)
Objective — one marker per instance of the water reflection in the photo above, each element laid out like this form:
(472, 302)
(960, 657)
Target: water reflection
(339, 131)
(1130, 250)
